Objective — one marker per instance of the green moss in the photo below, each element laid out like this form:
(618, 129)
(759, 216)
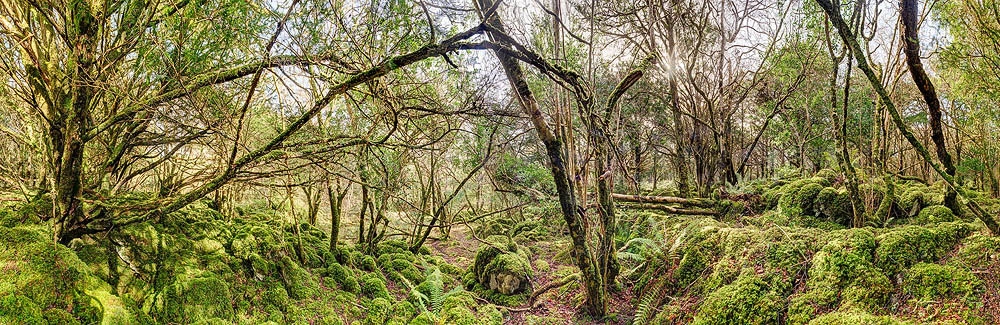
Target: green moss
(392, 246)
(298, 281)
(368, 263)
(806, 197)
(399, 269)
(17, 309)
(900, 248)
(378, 311)
(543, 320)
(344, 277)
(198, 299)
(425, 318)
(842, 273)
(373, 286)
(502, 266)
(489, 314)
(403, 311)
(978, 251)
(542, 266)
(934, 214)
(854, 317)
(56, 316)
(927, 281)
(459, 316)
(834, 205)
(747, 300)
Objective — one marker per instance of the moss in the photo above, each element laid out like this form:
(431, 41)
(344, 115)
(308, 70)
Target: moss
(900, 248)
(927, 281)
(459, 316)
(853, 317)
(934, 214)
(489, 314)
(542, 266)
(18, 309)
(748, 300)
(276, 296)
(373, 286)
(543, 320)
(378, 311)
(344, 277)
(399, 269)
(403, 311)
(831, 176)
(806, 197)
(392, 246)
(197, 299)
(425, 318)
(978, 251)
(56, 316)
(834, 205)
(368, 263)
(502, 266)
(841, 273)
(298, 281)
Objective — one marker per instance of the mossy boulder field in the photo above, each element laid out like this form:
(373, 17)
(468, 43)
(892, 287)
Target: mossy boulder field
(797, 262)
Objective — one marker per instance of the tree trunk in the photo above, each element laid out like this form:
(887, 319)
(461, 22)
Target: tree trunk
(909, 16)
(596, 303)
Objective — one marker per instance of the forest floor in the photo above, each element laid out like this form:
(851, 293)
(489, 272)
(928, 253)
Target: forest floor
(792, 261)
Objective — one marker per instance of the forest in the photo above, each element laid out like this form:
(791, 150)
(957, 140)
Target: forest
(499, 162)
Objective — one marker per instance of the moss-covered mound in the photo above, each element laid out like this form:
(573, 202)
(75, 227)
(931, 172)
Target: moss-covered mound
(198, 266)
(712, 272)
(502, 266)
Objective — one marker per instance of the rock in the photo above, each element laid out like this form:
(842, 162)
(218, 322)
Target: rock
(503, 266)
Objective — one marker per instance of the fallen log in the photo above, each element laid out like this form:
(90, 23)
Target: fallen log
(704, 203)
(670, 209)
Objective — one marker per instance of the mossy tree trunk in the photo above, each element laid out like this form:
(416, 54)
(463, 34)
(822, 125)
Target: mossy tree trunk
(909, 16)
(833, 14)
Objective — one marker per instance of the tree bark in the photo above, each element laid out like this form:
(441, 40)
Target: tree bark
(596, 302)
(833, 14)
(911, 47)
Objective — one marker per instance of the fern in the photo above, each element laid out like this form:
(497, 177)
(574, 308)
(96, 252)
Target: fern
(643, 309)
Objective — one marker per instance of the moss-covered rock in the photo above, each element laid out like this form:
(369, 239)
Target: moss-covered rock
(18, 309)
(298, 281)
(503, 266)
(378, 311)
(926, 281)
(197, 299)
(747, 300)
(834, 205)
(373, 286)
(934, 214)
(899, 248)
(854, 317)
